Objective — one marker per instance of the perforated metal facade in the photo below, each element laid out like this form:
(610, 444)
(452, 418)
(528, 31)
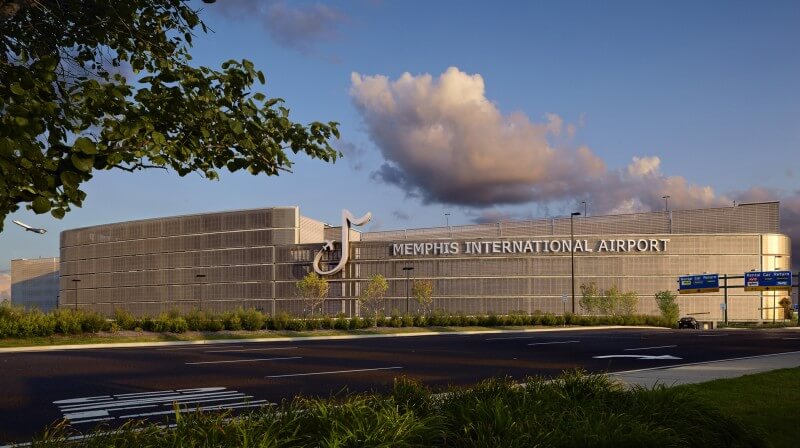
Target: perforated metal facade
(255, 257)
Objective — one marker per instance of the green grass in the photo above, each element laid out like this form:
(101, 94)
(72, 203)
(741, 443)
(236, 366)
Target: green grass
(769, 401)
(576, 410)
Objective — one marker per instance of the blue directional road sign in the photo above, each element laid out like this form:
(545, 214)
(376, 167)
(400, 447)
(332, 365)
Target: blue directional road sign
(693, 284)
(768, 281)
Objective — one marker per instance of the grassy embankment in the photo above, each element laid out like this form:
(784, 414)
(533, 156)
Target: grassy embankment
(576, 410)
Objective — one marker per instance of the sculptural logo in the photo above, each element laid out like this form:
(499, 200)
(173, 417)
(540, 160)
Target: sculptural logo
(348, 220)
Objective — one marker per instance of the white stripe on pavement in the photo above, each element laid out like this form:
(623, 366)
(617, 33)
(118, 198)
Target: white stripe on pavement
(241, 360)
(251, 349)
(556, 342)
(332, 372)
(651, 348)
(196, 347)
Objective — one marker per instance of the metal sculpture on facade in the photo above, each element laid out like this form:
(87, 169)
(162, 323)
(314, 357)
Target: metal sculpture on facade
(348, 220)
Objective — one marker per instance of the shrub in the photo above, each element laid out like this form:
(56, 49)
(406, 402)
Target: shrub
(92, 322)
(67, 321)
(252, 319)
(341, 323)
(231, 321)
(280, 321)
(125, 319)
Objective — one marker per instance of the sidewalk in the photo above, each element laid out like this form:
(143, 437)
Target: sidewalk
(707, 371)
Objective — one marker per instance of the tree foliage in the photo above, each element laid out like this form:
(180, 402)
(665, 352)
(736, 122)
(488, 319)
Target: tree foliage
(373, 293)
(610, 302)
(90, 85)
(667, 305)
(422, 290)
(313, 289)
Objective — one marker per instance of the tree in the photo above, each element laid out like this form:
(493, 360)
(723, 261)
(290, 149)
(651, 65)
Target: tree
(667, 305)
(611, 302)
(786, 304)
(70, 104)
(590, 297)
(423, 294)
(313, 289)
(372, 295)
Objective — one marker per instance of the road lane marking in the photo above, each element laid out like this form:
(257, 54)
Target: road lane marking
(790, 339)
(331, 372)
(166, 399)
(197, 347)
(650, 348)
(646, 357)
(556, 342)
(241, 360)
(710, 335)
(250, 349)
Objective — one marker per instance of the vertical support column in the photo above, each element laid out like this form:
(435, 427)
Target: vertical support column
(725, 288)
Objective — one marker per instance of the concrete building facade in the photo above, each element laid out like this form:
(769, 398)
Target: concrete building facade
(253, 258)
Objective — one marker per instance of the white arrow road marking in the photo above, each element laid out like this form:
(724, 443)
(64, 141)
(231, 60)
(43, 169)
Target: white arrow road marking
(637, 356)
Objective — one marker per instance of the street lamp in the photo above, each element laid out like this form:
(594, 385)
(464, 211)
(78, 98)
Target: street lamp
(200, 295)
(572, 255)
(75, 282)
(447, 223)
(408, 270)
(585, 210)
(666, 202)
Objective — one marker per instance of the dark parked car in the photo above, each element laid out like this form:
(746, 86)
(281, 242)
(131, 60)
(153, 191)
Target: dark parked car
(689, 322)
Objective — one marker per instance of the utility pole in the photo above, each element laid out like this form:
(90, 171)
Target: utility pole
(75, 282)
(572, 255)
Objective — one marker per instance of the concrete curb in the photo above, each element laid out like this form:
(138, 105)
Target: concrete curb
(51, 348)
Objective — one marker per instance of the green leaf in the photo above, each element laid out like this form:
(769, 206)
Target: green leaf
(70, 179)
(82, 163)
(40, 205)
(84, 145)
(17, 89)
(158, 138)
(58, 213)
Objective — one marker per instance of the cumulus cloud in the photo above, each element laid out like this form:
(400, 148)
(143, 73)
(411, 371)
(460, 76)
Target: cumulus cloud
(289, 24)
(444, 141)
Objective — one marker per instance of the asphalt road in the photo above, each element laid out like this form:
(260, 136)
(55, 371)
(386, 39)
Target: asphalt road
(109, 386)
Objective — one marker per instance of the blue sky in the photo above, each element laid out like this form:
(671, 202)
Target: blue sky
(711, 89)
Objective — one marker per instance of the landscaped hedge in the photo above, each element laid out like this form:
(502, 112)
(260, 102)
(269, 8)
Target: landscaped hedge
(17, 322)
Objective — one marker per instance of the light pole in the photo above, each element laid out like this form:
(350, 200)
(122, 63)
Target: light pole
(666, 202)
(585, 209)
(199, 278)
(572, 255)
(408, 270)
(447, 223)
(75, 282)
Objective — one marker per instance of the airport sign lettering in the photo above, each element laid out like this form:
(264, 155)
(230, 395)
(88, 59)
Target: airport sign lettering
(768, 281)
(529, 246)
(693, 284)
